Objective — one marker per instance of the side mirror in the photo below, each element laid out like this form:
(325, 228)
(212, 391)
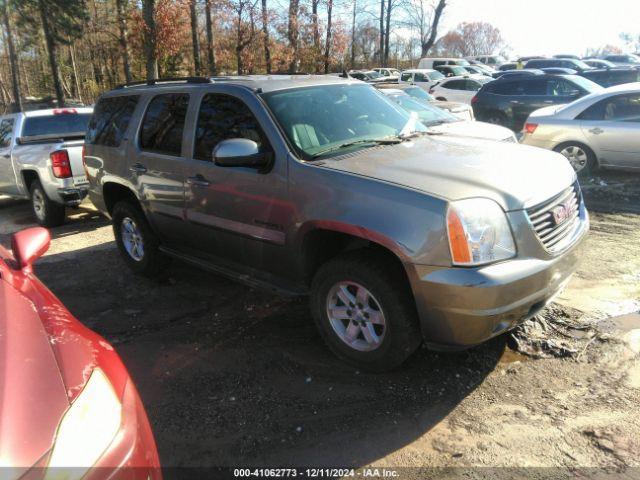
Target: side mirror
(240, 152)
(28, 245)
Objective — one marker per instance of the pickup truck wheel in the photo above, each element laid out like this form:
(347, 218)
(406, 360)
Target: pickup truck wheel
(137, 243)
(365, 311)
(48, 213)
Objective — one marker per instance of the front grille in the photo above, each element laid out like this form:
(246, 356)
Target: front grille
(556, 219)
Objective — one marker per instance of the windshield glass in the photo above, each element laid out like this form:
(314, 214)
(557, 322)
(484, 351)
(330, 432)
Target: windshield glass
(436, 75)
(317, 119)
(459, 70)
(581, 65)
(417, 92)
(373, 74)
(62, 124)
(585, 83)
(427, 114)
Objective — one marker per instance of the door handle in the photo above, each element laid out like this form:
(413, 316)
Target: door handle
(138, 168)
(198, 181)
(548, 101)
(596, 131)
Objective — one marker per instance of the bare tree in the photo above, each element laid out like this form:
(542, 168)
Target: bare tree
(265, 35)
(353, 35)
(195, 42)
(327, 46)
(316, 35)
(381, 51)
(244, 38)
(13, 59)
(150, 37)
(293, 32)
(211, 54)
(423, 16)
(121, 13)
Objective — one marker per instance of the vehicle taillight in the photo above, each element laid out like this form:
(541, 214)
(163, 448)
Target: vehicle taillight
(474, 100)
(530, 127)
(64, 111)
(60, 164)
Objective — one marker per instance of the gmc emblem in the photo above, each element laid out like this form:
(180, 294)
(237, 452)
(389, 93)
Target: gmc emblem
(561, 213)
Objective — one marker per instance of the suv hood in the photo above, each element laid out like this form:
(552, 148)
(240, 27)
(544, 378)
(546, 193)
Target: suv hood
(32, 393)
(515, 176)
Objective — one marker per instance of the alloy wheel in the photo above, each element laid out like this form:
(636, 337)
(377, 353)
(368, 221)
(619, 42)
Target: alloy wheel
(38, 202)
(577, 157)
(132, 239)
(356, 316)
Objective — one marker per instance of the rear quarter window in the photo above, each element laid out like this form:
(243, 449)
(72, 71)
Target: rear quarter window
(110, 120)
(163, 124)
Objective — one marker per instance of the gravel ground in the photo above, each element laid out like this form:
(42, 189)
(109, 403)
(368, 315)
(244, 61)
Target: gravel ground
(237, 377)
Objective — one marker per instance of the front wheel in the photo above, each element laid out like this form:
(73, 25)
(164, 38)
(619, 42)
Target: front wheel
(47, 212)
(137, 243)
(364, 310)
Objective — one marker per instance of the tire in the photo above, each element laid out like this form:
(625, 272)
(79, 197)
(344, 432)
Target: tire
(47, 212)
(580, 157)
(441, 99)
(496, 118)
(139, 245)
(390, 300)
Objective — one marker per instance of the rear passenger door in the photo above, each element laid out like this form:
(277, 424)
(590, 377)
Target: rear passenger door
(235, 213)
(156, 163)
(8, 184)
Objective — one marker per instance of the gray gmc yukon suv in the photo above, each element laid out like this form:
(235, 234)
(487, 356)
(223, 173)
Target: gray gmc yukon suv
(322, 186)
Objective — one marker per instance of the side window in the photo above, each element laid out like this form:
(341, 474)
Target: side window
(421, 77)
(455, 85)
(557, 87)
(623, 108)
(110, 120)
(534, 87)
(405, 77)
(509, 88)
(472, 85)
(163, 124)
(437, 63)
(222, 117)
(6, 129)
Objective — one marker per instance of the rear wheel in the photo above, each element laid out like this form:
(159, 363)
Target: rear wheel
(47, 212)
(364, 310)
(138, 244)
(580, 157)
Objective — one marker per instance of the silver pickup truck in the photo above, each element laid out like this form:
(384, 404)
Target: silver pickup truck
(41, 159)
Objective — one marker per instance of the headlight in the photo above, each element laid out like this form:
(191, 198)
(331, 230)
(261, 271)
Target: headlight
(86, 430)
(478, 232)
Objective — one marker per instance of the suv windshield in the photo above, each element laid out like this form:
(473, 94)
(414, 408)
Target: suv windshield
(427, 114)
(62, 125)
(458, 70)
(584, 83)
(336, 118)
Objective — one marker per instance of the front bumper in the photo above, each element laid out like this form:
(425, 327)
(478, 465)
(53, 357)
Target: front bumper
(462, 307)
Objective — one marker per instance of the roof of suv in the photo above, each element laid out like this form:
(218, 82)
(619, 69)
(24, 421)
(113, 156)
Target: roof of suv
(264, 83)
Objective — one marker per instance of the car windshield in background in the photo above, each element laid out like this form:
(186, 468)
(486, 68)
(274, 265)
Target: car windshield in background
(585, 83)
(336, 118)
(427, 114)
(373, 74)
(418, 92)
(459, 70)
(62, 125)
(581, 65)
(436, 75)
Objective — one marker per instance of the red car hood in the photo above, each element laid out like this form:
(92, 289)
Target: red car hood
(32, 392)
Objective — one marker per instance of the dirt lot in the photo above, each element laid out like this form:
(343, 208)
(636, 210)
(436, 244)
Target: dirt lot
(236, 377)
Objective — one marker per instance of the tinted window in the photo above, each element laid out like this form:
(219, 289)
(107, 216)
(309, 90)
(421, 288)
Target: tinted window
(63, 124)
(437, 63)
(472, 85)
(421, 77)
(6, 127)
(405, 77)
(534, 87)
(621, 108)
(507, 88)
(455, 85)
(110, 120)
(222, 117)
(163, 123)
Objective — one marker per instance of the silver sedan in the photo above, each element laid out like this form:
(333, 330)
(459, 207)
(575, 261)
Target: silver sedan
(599, 130)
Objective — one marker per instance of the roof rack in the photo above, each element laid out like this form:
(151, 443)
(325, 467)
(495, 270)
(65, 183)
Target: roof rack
(166, 80)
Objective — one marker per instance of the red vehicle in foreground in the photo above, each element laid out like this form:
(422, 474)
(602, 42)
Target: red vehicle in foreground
(68, 408)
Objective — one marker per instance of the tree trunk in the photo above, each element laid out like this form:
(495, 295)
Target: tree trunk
(211, 54)
(427, 43)
(327, 47)
(121, 7)
(72, 54)
(51, 50)
(265, 33)
(387, 34)
(293, 34)
(13, 60)
(194, 37)
(381, 51)
(316, 35)
(148, 14)
(353, 36)
(239, 40)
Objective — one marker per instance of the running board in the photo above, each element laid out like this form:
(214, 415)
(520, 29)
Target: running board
(244, 275)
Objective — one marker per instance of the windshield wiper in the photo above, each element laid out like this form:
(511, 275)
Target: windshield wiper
(375, 141)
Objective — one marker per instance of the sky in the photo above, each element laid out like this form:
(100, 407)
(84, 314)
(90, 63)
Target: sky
(547, 27)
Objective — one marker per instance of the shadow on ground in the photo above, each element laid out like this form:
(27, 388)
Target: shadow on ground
(233, 376)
